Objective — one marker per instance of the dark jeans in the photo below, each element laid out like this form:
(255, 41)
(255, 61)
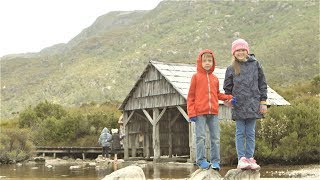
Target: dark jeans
(115, 151)
(105, 151)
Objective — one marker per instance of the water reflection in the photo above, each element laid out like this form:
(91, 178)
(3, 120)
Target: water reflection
(168, 170)
(151, 170)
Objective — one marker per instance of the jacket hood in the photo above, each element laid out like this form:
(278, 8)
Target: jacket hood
(199, 61)
(105, 130)
(251, 57)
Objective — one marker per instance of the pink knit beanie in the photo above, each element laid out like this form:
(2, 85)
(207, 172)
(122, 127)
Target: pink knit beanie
(239, 44)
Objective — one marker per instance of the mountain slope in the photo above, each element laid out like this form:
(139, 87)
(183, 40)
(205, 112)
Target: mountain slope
(103, 62)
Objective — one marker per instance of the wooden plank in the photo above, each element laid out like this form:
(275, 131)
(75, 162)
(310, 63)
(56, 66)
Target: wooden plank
(161, 114)
(142, 117)
(131, 114)
(148, 116)
(183, 113)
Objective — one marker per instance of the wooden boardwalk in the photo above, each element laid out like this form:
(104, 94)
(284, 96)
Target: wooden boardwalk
(45, 150)
(68, 150)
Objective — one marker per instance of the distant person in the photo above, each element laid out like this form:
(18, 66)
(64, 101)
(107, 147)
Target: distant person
(115, 140)
(203, 105)
(245, 80)
(104, 141)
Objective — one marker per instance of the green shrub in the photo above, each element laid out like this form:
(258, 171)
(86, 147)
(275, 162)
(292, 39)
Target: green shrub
(99, 120)
(28, 118)
(46, 109)
(54, 126)
(15, 145)
(291, 133)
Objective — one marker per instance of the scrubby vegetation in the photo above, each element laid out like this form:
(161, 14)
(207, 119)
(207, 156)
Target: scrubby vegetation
(49, 124)
(15, 145)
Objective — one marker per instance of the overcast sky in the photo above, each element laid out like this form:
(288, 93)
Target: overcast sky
(31, 25)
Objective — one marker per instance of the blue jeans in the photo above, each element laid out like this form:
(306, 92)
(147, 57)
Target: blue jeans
(245, 137)
(214, 129)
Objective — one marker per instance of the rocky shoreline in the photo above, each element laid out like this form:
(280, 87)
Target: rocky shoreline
(106, 164)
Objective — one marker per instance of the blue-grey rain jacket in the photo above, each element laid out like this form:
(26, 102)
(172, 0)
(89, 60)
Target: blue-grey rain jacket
(105, 138)
(249, 88)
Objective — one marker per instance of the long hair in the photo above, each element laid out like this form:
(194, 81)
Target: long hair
(236, 64)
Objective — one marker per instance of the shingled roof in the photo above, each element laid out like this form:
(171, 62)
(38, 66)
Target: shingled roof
(179, 75)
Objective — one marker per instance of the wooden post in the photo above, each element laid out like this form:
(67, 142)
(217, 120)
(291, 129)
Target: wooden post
(83, 156)
(147, 142)
(126, 138)
(54, 155)
(126, 119)
(192, 142)
(156, 136)
(155, 130)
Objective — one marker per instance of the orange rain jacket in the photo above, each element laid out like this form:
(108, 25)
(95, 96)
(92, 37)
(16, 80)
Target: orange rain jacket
(204, 91)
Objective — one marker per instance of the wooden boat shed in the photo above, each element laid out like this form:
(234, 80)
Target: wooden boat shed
(154, 112)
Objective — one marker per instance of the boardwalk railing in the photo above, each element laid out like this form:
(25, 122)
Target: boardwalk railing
(68, 150)
(43, 150)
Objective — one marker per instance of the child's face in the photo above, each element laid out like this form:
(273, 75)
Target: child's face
(207, 61)
(241, 54)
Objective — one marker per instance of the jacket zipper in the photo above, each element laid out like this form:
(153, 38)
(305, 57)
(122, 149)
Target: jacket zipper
(210, 105)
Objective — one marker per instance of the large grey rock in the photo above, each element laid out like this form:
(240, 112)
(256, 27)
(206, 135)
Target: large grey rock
(129, 172)
(205, 174)
(238, 174)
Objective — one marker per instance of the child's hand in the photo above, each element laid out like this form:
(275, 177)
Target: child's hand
(227, 103)
(193, 119)
(263, 108)
(230, 102)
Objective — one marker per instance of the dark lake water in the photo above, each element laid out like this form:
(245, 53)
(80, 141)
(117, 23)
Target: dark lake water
(152, 171)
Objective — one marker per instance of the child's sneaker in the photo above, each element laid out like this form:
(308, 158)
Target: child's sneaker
(243, 163)
(204, 164)
(253, 164)
(215, 166)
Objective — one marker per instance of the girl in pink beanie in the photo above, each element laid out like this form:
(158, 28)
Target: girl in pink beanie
(245, 80)
(239, 44)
